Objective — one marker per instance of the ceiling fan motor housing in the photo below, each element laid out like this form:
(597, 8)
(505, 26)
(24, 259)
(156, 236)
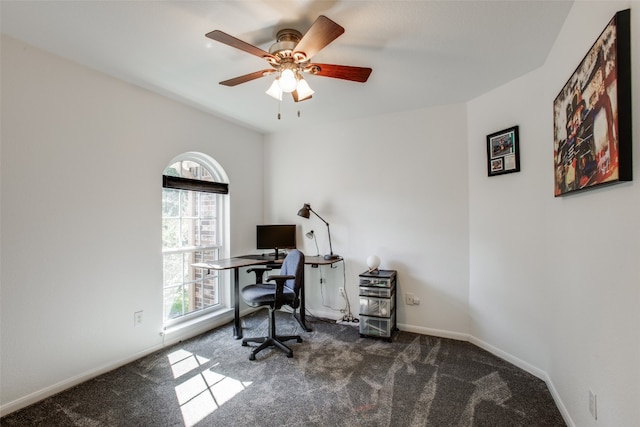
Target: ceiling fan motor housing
(287, 40)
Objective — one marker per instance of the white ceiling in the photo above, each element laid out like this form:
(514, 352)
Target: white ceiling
(423, 53)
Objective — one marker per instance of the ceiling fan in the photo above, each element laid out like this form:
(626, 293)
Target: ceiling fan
(290, 57)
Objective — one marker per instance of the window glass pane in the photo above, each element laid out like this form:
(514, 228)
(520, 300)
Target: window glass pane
(206, 294)
(170, 233)
(205, 175)
(205, 256)
(210, 291)
(208, 205)
(207, 232)
(173, 170)
(188, 258)
(190, 169)
(187, 232)
(175, 302)
(172, 269)
(170, 206)
(189, 203)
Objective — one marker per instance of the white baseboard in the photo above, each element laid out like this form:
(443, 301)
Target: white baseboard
(509, 358)
(559, 403)
(434, 332)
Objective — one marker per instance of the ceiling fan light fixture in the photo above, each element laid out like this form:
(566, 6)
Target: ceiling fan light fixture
(303, 89)
(275, 91)
(287, 80)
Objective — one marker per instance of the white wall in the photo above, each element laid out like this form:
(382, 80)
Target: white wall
(555, 282)
(82, 159)
(394, 186)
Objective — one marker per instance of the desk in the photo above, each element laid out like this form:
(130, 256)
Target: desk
(248, 260)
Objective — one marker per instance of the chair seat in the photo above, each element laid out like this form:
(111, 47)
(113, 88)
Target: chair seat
(264, 294)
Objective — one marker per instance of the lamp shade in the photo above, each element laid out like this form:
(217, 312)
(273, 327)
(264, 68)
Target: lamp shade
(303, 89)
(305, 211)
(312, 235)
(275, 91)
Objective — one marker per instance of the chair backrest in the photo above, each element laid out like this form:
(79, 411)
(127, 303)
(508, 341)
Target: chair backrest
(293, 265)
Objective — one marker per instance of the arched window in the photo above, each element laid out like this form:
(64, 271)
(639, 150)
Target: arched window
(195, 228)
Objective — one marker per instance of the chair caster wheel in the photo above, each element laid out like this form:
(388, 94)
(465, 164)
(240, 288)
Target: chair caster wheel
(299, 339)
(244, 344)
(252, 357)
(290, 355)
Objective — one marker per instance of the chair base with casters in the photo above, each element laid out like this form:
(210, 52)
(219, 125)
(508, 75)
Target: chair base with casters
(272, 340)
(285, 291)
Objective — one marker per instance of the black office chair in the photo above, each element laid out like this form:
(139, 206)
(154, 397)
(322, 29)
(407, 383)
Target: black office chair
(285, 291)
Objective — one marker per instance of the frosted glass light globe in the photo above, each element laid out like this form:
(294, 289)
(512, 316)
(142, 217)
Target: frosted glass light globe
(287, 81)
(373, 262)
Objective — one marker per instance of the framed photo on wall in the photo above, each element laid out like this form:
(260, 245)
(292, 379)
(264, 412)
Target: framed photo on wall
(503, 152)
(592, 115)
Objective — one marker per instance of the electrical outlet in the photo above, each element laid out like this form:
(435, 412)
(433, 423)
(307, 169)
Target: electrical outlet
(416, 301)
(137, 318)
(593, 404)
(409, 298)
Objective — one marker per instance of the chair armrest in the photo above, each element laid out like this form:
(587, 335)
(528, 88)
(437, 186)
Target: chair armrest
(280, 281)
(259, 271)
(280, 277)
(263, 269)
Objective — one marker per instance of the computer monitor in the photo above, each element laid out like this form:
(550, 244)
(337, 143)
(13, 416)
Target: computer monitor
(276, 236)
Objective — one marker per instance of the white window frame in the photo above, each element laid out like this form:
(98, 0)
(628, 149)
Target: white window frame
(223, 231)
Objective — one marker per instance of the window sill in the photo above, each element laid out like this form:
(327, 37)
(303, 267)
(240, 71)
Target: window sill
(185, 330)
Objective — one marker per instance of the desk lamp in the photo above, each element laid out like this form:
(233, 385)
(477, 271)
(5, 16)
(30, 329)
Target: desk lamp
(305, 212)
(312, 235)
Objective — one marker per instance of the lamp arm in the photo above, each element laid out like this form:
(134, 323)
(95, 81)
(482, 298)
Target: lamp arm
(328, 229)
(316, 241)
(330, 247)
(316, 214)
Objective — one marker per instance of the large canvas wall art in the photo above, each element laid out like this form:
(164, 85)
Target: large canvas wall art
(592, 115)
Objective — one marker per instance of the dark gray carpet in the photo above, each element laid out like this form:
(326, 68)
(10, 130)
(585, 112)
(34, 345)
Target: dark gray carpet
(336, 378)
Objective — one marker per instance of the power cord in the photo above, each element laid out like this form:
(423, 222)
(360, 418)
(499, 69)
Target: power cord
(348, 316)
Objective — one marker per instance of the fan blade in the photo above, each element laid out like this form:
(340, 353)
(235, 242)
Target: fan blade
(322, 32)
(345, 72)
(247, 77)
(296, 99)
(225, 38)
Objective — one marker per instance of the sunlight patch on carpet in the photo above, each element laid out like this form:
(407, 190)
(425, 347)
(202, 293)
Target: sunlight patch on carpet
(204, 392)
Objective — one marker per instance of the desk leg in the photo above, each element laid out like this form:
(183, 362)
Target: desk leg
(302, 316)
(237, 328)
